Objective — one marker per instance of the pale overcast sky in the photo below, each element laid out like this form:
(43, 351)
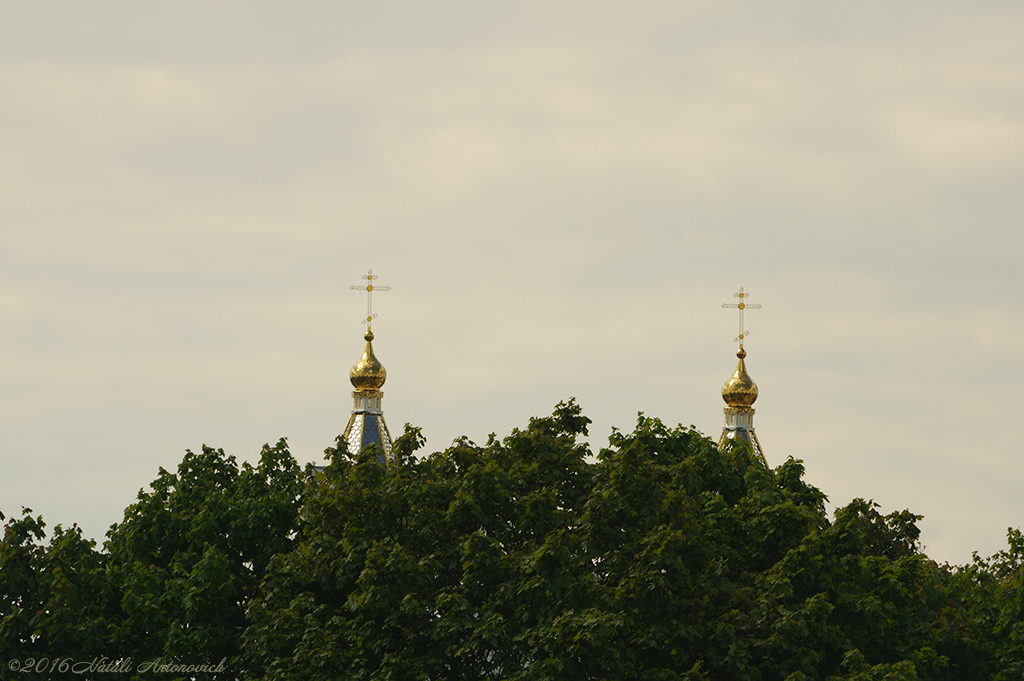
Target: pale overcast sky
(561, 196)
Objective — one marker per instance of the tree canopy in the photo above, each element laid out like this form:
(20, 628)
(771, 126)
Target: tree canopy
(528, 557)
(174, 577)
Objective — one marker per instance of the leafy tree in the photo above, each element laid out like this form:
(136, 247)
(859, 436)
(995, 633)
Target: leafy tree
(983, 621)
(665, 559)
(52, 596)
(189, 555)
(526, 558)
(1008, 569)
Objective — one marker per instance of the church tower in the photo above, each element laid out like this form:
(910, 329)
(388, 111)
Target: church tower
(740, 392)
(366, 426)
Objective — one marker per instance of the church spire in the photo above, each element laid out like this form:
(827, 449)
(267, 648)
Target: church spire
(366, 426)
(740, 391)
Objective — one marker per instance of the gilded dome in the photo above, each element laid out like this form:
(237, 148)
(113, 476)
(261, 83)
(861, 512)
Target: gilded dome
(740, 390)
(368, 373)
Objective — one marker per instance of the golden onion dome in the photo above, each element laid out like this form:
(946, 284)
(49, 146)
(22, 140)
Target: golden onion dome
(368, 373)
(740, 390)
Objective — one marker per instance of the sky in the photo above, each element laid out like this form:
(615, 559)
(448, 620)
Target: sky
(561, 195)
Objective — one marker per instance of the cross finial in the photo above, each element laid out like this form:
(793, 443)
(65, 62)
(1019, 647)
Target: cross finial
(741, 306)
(370, 277)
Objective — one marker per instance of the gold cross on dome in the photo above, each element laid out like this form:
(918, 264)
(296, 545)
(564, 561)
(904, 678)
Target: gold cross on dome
(370, 277)
(741, 306)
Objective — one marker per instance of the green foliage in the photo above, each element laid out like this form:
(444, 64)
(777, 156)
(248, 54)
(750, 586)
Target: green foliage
(52, 597)
(189, 555)
(1008, 569)
(983, 620)
(527, 558)
(665, 559)
(395, 573)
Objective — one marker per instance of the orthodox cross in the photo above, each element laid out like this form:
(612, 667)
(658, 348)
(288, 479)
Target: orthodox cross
(741, 306)
(370, 277)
